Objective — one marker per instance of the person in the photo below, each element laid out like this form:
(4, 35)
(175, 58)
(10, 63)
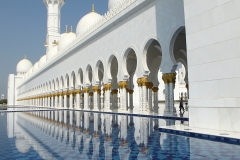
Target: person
(181, 105)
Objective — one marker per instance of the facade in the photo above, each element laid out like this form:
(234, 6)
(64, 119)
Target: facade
(128, 58)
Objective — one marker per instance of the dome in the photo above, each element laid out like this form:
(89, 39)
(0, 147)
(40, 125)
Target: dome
(24, 65)
(66, 40)
(113, 3)
(35, 67)
(87, 21)
(42, 60)
(52, 52)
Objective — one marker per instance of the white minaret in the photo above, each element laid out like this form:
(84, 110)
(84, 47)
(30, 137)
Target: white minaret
(53, 22)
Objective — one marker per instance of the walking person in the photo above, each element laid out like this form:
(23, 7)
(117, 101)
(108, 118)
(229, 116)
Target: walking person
(181, 105)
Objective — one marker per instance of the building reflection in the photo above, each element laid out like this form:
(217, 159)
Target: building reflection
(86, 135)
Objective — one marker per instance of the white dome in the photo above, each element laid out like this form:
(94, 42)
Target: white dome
(24, 65)
(113, 3)
(42, 60)
(52, 52)
(35, 67)
(87, 21)
(66, 40)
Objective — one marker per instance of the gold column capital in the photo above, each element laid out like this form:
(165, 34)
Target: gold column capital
(90, 93)
(155, 89)
(107, 87)
(114, 91)
(86, 90)
(99, 91)
(70, 92)
(130, 91)
(122, 84)
(78, 91)
(95, 88)
(169, 78)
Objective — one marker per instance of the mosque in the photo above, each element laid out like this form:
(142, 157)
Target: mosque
(139, 53)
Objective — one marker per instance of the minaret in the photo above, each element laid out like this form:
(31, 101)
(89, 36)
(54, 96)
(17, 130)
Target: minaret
(53, 22)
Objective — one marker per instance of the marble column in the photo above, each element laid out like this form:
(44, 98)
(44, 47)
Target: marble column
(71, 99)
(123, 95)
(142, 83)
(60, 99)
(78, 91)
(130, 91)
(65, 99)
(150, 85)
(169, 80)
(155, 97)
(114, 99)
(56, 100)
(107, 89)
(52, 100)
(86, 97)
(95, 97)
(90, 100)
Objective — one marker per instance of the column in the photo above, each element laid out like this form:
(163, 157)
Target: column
(114, 99)
(155, 97)
(123, 93)
(86, 96)
(107, 89)
(65, 99)
(60, 99)
(52, 100)
(71, 99)
(95, 97)
(139, 82)
(78, 91)
(90, 100)
(56, 100)
(130, 91)
(144, 93)
(169, 80)
(150, 85)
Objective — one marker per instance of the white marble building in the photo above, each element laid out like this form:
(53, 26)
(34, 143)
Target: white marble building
(129, 56)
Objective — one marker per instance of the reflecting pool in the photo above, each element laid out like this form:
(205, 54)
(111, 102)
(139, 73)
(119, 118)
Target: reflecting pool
(64, 134)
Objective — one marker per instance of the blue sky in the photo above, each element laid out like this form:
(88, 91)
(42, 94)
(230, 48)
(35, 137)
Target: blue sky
(23, 29)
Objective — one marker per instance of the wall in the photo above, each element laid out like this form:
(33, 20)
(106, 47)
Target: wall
(213, 38)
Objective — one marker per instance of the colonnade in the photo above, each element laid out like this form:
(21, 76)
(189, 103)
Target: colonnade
(107, 98)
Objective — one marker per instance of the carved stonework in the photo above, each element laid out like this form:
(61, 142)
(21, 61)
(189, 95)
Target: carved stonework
(114, 91)
(95, 88)
(130, 91)
(86, 90)
(155, 89)
(122, 84)
(169, 78)
(107, 87)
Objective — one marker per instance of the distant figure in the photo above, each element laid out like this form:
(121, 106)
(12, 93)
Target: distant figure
(181, 105)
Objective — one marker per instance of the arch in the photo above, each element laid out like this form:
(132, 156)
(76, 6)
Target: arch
(88, 73)
(57, 84)
(111, 66)
(53, 85)
(73, 80)
(80, 77)
(150, 42)
(127, 52)
(66, 85)
(173, 42)
(99, 71)
(61, 85)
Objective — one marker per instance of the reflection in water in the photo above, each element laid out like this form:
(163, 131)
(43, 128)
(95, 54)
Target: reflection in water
(84, 135)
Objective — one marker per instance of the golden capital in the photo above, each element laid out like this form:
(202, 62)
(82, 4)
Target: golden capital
(86, 90)
(64, 93)
(77, 91)
(122, 84)
(155, 89)
(187, 86)
(107, 86)
(169, 78)
(90, 93)
(95, 88)
(130, 91)
(144, 81)
(114, 91)
(149, 85)
(70, 92)
(99, 91)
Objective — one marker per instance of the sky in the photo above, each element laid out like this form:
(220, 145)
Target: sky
(23, 25)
